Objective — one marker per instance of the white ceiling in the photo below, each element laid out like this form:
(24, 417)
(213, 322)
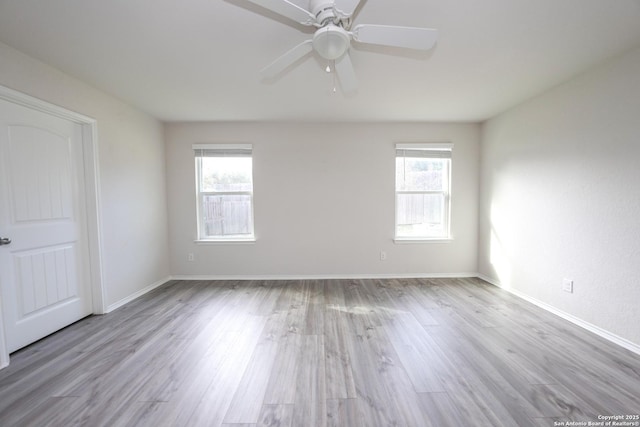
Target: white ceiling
(199, 59)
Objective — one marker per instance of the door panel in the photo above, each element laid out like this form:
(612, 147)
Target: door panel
(42, 190)
(43, 272)
(45, 277)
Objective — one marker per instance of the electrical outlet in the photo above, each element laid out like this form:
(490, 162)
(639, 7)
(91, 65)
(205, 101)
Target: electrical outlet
(567, 285)
(383, 255)
(190, 257)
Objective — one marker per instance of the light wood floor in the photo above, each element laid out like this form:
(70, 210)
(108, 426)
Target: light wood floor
(411, 352)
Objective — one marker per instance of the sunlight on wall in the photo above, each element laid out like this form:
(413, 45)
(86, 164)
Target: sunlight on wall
(499, 253)
(500, 261)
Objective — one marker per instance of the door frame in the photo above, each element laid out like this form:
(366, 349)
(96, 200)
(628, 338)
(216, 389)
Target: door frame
(92, 198)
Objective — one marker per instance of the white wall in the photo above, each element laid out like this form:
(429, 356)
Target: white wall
(324, 200)
(560, 197)
(132, 174)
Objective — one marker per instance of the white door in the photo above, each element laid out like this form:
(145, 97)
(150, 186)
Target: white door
(44, 280)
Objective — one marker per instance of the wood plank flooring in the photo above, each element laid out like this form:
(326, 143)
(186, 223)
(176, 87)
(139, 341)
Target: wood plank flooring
(397, 352)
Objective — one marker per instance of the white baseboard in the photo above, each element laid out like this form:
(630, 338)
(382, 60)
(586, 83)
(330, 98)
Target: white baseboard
(324, 276)
(622, 342)
(138, 294)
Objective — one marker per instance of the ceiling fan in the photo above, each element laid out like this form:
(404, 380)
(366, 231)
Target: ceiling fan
(332, 39)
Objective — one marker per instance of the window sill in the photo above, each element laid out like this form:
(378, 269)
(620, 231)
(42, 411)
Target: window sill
(230, 240)
(405, 240)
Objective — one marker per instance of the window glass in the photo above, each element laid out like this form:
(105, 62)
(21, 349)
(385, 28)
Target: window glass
(226, 174)
(423, 196)
(420, 174)
(224, 183)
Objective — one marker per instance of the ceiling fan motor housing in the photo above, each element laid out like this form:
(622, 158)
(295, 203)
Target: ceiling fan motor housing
(331, 42)
(323, 10)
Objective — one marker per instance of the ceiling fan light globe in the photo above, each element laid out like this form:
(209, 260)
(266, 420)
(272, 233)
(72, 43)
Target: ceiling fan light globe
(331, 42)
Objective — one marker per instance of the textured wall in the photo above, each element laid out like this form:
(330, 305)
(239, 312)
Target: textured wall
(560, 197)
(324, 200)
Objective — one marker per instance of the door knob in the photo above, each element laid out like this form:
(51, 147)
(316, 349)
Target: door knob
(4, 241)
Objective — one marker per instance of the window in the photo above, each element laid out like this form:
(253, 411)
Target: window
(224, 183)
(423, 191)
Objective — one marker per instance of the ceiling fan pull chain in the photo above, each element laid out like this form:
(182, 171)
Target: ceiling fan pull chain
(334, 77)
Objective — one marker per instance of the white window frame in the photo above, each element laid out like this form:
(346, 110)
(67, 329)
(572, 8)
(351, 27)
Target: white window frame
(440, 151)
(200, 195)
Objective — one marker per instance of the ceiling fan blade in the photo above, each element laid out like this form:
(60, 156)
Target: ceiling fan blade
(284, 61)
(346, 75)
(346, 8)
(386, 35)
(288, 10)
